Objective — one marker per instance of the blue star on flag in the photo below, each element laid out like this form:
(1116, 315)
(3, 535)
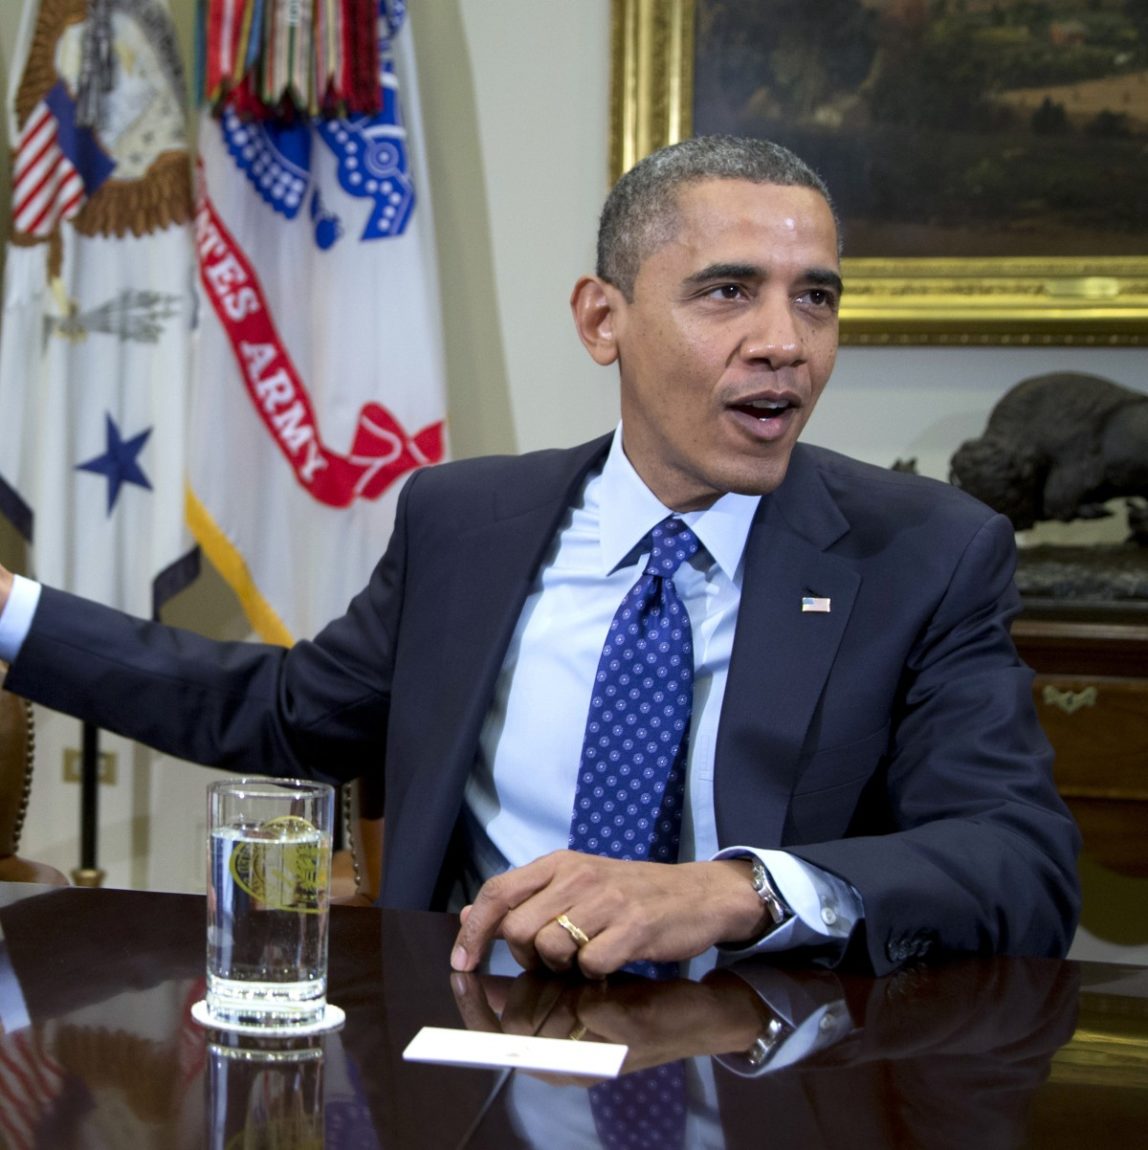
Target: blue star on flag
(119, 463)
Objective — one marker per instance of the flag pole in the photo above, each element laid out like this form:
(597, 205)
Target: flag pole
(88, 873)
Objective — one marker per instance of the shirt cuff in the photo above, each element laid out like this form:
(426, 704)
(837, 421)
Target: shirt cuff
(825, 1027)
(16, 618)
(13, 1008)
(825, 907)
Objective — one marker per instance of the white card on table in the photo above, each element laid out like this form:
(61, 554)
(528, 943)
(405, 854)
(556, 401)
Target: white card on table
(520, 1052)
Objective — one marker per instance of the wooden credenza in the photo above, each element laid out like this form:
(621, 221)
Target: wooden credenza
(1092, 697)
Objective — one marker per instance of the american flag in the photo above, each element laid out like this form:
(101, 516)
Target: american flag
(58, 166)
(30, 1082)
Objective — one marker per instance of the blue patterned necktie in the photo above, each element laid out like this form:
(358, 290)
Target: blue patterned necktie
(631, 782)
(642, 1111)
(631, 787)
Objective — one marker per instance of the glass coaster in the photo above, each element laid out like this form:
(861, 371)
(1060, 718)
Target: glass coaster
(333, 1018)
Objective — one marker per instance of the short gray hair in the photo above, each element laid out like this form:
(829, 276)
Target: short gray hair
(641, 212)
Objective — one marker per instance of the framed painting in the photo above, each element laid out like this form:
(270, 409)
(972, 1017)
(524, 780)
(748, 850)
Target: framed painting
(988, 158)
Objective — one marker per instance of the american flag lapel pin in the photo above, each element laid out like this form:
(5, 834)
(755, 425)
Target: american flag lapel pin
(818, 606)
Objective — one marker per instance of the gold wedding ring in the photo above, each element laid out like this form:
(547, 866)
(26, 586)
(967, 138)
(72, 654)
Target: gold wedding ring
(579, 1032)
(580, 937)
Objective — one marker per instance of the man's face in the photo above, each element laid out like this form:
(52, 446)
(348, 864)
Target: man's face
(729, 340)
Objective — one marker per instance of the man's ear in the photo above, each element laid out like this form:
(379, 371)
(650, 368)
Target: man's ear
(594, 305)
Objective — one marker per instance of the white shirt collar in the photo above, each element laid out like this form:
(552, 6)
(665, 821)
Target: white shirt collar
(627, 510)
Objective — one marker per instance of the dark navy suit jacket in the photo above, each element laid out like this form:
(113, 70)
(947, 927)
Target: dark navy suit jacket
(891, 740)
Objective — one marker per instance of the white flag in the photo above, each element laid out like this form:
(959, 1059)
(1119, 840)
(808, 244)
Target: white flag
(98, 303)
(319, 377)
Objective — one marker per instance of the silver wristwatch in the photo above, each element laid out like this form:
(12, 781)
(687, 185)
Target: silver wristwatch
(765, 1043)
(763, 886)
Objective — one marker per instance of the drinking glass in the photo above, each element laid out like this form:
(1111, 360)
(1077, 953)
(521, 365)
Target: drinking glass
(269, 877)
(265, 1092)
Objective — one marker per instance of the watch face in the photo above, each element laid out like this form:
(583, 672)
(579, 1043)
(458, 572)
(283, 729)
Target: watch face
(778, 911)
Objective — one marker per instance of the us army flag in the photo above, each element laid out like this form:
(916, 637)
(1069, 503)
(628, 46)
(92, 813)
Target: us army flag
(319, 380)
(98, 301)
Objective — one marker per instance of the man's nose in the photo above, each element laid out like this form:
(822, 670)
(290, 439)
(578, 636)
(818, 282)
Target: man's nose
(774, 335)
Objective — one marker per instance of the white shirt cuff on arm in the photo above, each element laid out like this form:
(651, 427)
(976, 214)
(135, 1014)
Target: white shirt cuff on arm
(825, 1027)
(16, 618)
(825, 907)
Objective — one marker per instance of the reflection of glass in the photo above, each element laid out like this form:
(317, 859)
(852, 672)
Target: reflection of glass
(268, 892)
(265, 1094)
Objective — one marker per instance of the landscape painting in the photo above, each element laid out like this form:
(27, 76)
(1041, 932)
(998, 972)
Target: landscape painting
(946, 128)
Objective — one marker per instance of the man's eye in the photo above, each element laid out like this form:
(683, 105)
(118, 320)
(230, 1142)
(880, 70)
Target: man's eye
(821, 297)
(727, 291)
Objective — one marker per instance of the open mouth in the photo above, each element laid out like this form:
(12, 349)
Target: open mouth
(764, 409)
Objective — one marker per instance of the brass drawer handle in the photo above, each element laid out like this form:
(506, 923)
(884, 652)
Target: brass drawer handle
(1070, 701)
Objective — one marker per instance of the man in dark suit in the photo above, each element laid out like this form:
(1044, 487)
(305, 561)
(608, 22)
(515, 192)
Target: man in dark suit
(864, 775)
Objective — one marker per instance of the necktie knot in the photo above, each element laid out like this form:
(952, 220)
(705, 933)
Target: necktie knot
(672, 544)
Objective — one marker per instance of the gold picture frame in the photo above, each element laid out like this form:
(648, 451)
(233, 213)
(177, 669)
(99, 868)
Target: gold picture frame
(1023, 302)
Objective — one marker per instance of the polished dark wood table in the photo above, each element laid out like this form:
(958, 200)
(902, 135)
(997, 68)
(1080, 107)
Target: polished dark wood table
(97, 1047)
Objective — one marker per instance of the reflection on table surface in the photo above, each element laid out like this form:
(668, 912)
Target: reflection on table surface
(97, 1048)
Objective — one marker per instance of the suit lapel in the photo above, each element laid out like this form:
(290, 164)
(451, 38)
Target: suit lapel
(782, 655)
(474, 594)
(502, 557)
(780, 661)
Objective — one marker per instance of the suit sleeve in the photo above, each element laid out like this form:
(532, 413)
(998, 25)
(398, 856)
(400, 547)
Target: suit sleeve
(976, 851)
(318, 709)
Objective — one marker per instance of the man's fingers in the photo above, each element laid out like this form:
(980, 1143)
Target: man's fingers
(619, 912)
(608, 952)
(555, 946)
(473, 1005)
(608, 948)
(533, 1001)
(487, 915)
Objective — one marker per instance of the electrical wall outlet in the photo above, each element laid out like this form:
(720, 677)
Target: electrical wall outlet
(74, 766)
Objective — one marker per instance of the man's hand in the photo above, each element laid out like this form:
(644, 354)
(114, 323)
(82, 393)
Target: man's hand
(630, 911)
(5, 587)
(659, 1021)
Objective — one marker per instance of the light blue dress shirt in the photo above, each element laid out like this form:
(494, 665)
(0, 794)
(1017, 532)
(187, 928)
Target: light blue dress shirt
(521, 792)
(16, 618)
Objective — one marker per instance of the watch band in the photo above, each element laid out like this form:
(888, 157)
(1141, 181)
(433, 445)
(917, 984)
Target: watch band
(771, 900)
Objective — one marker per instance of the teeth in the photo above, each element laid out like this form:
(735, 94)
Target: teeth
(768, 404)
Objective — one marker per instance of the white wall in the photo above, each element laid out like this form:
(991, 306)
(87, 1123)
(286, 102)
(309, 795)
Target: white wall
(515, 103)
